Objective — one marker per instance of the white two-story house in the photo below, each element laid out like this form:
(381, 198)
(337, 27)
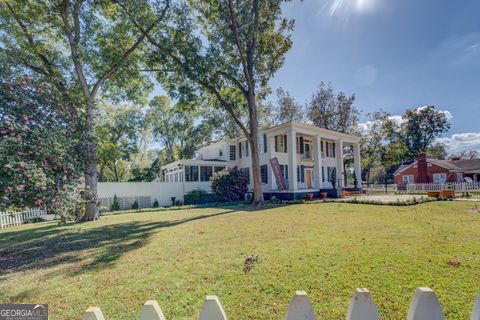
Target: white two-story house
(309, 157)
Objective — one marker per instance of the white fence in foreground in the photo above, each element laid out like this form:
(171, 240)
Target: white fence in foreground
(426, 187)
(425, 306)
(423, 187)
(16, 218)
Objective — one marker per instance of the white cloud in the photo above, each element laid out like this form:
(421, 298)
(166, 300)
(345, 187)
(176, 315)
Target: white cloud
(462, 141)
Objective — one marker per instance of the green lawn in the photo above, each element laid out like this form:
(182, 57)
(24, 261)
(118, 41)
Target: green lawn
(178, 257)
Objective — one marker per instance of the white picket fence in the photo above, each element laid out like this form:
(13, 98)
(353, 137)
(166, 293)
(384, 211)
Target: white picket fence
(423, 187)
(15, 218)
(426, 187)
(425, 306)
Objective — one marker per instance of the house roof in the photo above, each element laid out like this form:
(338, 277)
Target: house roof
(465, 166)
(401, 168)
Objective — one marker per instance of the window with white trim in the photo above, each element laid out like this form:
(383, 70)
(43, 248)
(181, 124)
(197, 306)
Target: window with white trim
(439, 177)
(408, 179)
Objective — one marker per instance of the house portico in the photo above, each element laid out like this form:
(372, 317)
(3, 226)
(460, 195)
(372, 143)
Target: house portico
(315, 158)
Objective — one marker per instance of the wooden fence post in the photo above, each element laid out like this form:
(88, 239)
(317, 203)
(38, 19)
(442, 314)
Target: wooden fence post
(425, 306)
(212, 309)
(300, 308)
(151, 311)
(93, 313)
(362, 306)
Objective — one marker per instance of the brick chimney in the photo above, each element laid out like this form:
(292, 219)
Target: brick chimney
(422, 166)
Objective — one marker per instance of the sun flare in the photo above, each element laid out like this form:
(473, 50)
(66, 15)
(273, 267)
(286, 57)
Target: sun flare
(345, 8)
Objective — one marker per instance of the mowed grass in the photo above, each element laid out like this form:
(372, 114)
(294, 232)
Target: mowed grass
(178, 257)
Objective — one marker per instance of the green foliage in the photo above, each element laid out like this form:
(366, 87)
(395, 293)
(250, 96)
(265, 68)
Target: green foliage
(155, 204)
(200, 197)
(115, 205)
(333, 111)
(39, 156)
(117, 134)
(420, 128)
(437, 151)
(298, 201)
(177, 128)
(287, 109)
(135, 205)
(333, 177)
(229, 184)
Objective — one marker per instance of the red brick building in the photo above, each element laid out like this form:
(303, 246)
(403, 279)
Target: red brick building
(426, 170)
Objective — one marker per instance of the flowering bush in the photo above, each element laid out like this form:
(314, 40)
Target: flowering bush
(38, 147)
(229, 184)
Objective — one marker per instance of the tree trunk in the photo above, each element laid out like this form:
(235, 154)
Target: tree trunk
(257, 177)
(91, 175)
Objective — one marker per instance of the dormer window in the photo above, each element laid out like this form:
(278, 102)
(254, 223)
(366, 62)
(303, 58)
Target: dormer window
(220, 152)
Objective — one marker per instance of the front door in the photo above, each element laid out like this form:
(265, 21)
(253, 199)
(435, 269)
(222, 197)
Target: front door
(308, 178)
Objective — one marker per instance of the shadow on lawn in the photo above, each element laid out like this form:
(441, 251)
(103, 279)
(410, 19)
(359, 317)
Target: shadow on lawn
(51, 245)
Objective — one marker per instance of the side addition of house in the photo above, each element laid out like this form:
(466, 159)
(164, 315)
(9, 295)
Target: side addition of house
(310, 160)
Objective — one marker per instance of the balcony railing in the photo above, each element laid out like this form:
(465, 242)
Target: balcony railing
(307, 155)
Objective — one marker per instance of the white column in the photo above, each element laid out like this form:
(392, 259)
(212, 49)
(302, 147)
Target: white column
(357, 163)
(318, 161)
(339, 155)
(292, 159)
(270, 153)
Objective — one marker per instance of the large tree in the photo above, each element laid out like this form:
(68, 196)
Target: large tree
(333, 111)
(82, 48)
(380, 144)
(229, 49)
(419, 129)
(437, 151)
(287, 109)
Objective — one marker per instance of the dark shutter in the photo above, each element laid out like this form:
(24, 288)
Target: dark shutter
(286, 172)
(299, 177)
(302, 146)
(240, 150)
(285, 142)
(264, 143)
(276, 143)
(334, 151)
(246, 148)
(321, 146)
(302, 173)
(323, 174)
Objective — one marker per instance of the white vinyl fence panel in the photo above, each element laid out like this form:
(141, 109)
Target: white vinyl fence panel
(424, 306)
(16, 218)
(144, 192)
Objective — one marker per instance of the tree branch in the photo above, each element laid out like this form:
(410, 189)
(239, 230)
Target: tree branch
(117, 64)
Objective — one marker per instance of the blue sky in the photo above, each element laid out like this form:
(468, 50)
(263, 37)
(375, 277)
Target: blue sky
(393, 54)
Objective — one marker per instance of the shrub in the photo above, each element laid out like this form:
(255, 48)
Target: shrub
(135, 205)
(275, 200)
(115, 204)
(200, 197)
(229, 184)
(178, 203)
(298, 201)
(156, 204)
